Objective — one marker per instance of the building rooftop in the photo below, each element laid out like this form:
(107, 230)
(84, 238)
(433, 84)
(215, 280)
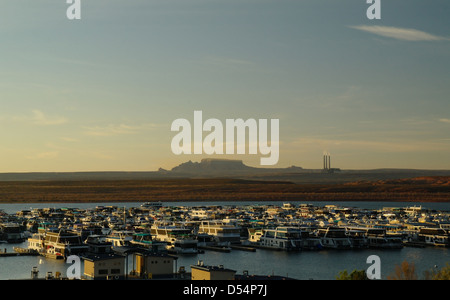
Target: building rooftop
(102, 256)
(219, 268)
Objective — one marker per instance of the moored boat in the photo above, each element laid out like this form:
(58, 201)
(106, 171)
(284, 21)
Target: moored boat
(334, 238)
(281, 238)
(223, 234)
(179, 240)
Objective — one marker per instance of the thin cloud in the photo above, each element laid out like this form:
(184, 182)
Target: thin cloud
(390, 146)
(37, 117)
(443, 120)
(44, 155)
(113, 130)
(404, 34)
(40, 118)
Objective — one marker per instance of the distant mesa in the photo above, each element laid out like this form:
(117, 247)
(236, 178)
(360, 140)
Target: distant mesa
(210, 164)
(224, 167)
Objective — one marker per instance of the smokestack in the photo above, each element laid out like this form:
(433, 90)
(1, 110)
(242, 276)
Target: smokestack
(326, 161)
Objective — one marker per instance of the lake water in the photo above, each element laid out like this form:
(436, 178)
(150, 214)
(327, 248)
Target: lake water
(325, 264)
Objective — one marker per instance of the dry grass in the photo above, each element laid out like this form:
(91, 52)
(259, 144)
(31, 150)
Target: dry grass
(214, 190)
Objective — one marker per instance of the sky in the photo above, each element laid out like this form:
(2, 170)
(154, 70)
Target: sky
(101, 93)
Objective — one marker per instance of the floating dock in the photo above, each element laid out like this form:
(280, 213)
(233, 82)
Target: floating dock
(414, 244)
(243, 248)
(213, 248)
(19, 252)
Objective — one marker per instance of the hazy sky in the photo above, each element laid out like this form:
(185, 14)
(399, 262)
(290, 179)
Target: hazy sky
(101, 93)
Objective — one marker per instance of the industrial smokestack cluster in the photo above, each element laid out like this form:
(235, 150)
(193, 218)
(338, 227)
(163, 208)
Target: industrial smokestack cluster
(326, 161)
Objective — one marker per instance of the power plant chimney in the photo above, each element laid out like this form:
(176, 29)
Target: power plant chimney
(326, 161)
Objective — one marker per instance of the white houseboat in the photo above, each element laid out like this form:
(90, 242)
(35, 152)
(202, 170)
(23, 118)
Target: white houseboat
(152, 205)
(120, 238)
(57, 244)
(223, 234)
(334, 238)
(282, 238)
(378, 238)
(179, 240)
(254, 235)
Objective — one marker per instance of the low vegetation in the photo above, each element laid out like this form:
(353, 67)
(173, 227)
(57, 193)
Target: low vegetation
(218, 190)
(404, 271)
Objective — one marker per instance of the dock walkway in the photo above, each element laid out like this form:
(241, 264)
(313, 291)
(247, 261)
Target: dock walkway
(18, 252)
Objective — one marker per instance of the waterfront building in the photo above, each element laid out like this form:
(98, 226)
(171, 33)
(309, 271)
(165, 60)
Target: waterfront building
(202, 272)
(100, 263)
(151, 265)
(104, 266)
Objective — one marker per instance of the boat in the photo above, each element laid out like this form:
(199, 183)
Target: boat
(378, 238)
(120, 238)
(223, 234)
(36, 243)
(98, 244)
(145, 240)
(198, 214)
(281, 238)
(205, 240)
(179, 240)
(57, 244)
(11, 233)
(311, 241)
(433, 237)
(357, 237)
(333, 237)
(152, 205)
(37, 240)
(254, 235)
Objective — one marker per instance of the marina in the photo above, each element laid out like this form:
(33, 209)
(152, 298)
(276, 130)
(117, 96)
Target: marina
(225, 233)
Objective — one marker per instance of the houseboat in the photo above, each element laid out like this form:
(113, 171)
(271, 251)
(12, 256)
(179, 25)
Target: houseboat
(281, 238)
(378, 238)
(357, 237)
(57, 244)
(152, 205)
(120, 238)
(11, 233)
(433, 237)
(179, 240)
(223, 234)
(334, 238)
(254, 235)
(145, 240)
